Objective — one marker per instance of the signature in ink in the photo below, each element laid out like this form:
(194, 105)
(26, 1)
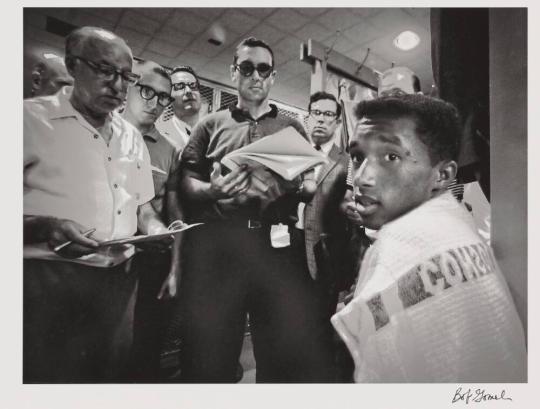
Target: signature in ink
(479, 395)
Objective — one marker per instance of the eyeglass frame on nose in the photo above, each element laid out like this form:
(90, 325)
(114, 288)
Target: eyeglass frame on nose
(328, 115)
(254, 68)
(193, 86)
(108, 72)
(159, 95)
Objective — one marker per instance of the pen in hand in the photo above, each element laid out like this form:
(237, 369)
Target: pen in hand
(67, 243)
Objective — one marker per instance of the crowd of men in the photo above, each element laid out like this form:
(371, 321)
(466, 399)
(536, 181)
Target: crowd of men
(101, 163)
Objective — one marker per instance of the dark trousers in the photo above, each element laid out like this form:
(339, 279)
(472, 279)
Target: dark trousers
(231, 270)
(77, 323)
(151, 315)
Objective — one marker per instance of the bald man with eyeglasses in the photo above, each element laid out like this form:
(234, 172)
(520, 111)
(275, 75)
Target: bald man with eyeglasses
(87, 179)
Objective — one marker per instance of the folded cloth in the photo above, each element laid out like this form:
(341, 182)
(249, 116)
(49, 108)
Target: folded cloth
(431, 304)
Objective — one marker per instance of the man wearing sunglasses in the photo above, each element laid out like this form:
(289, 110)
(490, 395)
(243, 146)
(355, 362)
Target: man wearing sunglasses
(187, 106)
(87, 179)
(157, 274)
(231, 267)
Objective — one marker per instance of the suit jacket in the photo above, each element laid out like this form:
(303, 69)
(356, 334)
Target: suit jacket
(325, 227)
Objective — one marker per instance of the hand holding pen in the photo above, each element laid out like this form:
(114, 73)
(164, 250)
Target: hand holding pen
(71, 239)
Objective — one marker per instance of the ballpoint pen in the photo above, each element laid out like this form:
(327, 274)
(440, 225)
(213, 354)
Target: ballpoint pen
(67, 243)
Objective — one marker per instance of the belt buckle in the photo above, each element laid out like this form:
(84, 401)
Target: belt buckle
(254, 224)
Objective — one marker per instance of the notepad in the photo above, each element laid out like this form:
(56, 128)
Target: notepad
(143, 238)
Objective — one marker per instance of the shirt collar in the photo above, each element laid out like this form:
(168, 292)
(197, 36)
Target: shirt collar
(242, 115)
(327, 147)
(153, 134)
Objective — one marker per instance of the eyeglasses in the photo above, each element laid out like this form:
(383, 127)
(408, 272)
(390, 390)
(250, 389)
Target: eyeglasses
(247, 68)
(180, 86)
(326, 114)
(108, 72)
(149, 93)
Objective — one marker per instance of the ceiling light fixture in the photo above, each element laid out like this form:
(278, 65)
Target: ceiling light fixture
(407, 40)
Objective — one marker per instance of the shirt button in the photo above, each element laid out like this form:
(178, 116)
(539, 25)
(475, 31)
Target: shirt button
(115, 186)
(138, 166)
(109, 159)
(119, 212)
(137, 196)
(96, 136)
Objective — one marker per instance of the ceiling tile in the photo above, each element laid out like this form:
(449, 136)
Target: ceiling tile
(338, 19)
(287, 19)
(110, 14)
(64, 14)
(363, 32)
(315, 31)
(237, 21)
(36, 34)
(173, 36)
(194, 60)
(260, 12)
(208, 13)
(393, 20)
(201, 46)
(82, 19)
(267, 33)
(290, 46)
(365, 12)
(149, 55)
(160, 14)
(187, 22)
(311, 11)
(133, 38)
(139, 22)
(164, 48)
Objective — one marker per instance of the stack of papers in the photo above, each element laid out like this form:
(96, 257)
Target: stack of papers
(285, 152)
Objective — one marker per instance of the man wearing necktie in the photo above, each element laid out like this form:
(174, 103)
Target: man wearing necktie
(320, 235)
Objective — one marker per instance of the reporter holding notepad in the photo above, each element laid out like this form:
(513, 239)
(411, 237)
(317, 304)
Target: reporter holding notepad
(84, 168)
(233, 263)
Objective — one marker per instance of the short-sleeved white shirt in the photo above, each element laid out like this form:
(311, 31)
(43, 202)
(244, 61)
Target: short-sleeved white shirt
(70, 172)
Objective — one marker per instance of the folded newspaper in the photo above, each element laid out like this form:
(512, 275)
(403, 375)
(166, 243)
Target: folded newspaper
(285, 152)
(143, 238)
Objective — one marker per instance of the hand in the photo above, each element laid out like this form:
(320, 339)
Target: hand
(169, 287)
(62, 230)
(352, 210)
(231, 185)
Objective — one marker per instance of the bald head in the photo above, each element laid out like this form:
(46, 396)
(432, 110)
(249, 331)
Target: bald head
(88, 39)
(100, 63)
(49, 74)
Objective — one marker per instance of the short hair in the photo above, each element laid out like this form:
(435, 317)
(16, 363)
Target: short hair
(320, 95)
(416, 83)
(437, 122)
(156, 68)
(253, 42)
(185, 68)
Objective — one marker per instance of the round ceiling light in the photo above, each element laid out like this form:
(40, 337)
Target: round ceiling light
(407, 40)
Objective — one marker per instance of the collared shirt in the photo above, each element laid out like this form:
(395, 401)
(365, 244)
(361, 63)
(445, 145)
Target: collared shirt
(176, 130)
(164, 157)
(325, 150)
(70, 172)
(221, 133)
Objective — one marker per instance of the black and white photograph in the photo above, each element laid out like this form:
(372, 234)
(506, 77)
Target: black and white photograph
(328, 200)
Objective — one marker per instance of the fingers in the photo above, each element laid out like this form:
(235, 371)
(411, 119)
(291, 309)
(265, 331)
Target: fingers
(74, 232)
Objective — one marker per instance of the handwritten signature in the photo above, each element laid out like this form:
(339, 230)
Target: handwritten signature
(477, 396)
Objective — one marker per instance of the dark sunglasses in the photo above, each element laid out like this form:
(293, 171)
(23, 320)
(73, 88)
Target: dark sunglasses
(180, 86)
(149, 93)
(108, 72)
(247, 68)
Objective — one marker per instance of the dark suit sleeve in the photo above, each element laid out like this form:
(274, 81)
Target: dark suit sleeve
(194, 155)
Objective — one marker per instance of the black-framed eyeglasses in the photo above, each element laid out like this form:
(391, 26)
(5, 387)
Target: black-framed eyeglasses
(247, 68)
(149, 93)
(108, 72)
(181, 86)
(326, 114)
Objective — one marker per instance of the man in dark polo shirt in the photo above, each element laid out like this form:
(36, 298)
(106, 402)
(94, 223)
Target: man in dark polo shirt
(157, 275)
(231, 267)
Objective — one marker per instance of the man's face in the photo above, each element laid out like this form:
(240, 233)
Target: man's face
(92, 90)
(144, 112)
(52, 77)
(321, 123)
(393, 171)
(253, 88)
(187, 101)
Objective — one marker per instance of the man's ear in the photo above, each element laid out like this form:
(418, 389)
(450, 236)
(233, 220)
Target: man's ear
(37, 78)
(70, 64)
(446, 173)
(233, 72)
